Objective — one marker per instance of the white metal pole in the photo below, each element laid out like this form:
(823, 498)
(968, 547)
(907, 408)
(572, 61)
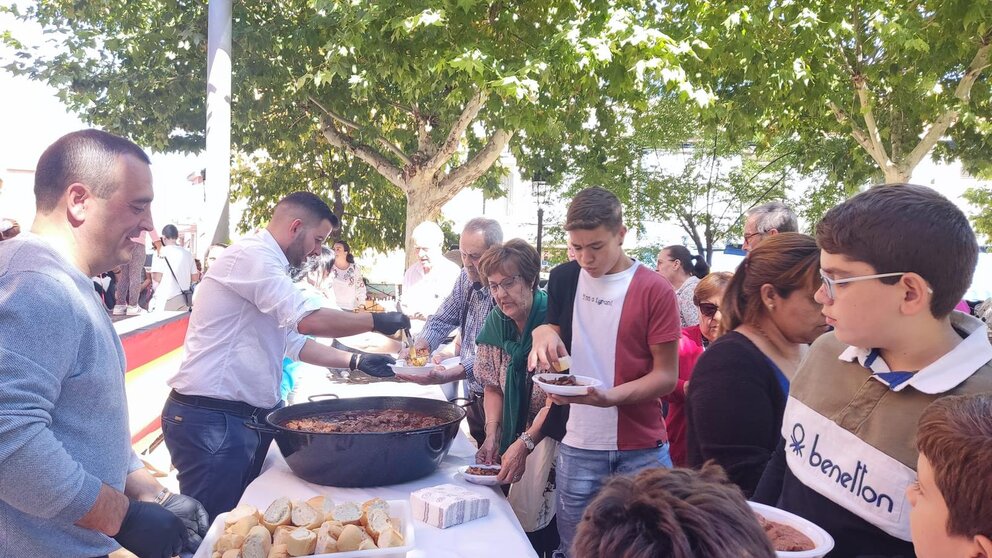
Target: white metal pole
(218, 180)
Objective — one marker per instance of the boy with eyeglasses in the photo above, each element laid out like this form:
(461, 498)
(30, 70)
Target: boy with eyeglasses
(895, 261)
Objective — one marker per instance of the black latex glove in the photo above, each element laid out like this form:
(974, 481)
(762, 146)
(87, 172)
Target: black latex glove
(192, 514)
(151, 531)
(388, 323)
(376, 365)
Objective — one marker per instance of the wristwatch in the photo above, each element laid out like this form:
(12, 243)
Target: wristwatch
(528, 441)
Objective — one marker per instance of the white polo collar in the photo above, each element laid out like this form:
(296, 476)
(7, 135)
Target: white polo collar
(942, 375)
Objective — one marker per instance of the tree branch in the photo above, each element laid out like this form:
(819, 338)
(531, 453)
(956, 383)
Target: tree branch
(963, 93)
(450, 145)
(475, 167)
(351, 125)
(861, 88)
(363, 152)
(858, 133)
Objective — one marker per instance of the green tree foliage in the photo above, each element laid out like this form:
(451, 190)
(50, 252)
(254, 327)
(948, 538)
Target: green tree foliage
(415, 99)
(982, 199)
(892, 77)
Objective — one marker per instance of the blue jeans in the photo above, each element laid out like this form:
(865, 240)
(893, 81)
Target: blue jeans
(215, 454)
(581, 473)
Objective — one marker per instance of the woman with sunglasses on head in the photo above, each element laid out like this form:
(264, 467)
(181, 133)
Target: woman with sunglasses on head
(683, 271)
(739, 385)
(706, 298)
(515, 407)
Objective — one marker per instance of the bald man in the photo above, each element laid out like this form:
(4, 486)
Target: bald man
(248, 315)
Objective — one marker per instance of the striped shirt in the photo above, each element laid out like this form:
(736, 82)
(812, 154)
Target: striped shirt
(465, 308)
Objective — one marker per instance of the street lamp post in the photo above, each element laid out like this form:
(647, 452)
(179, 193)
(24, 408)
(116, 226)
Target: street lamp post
(540, 190)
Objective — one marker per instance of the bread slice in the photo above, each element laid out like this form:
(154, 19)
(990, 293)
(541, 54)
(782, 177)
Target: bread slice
(279, 551)
(326, 542)
(390, 539)
(258, 543)
(242, 511)
(348, 513)
(305, 516)
(323, 505)
(243, 525)
(233, 553)
(227, 542)
(302, 542)
(375, 503)
(281, 534)
(279, 512)
(377, 522)
(332, 527)
(351, 538)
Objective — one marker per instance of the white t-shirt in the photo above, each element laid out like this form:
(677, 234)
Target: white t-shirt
(182, 265)
(615, 320)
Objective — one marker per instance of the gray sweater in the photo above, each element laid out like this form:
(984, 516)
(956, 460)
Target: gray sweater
(63, 412)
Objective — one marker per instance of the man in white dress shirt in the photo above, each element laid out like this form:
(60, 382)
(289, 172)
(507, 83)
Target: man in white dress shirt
(248, 315)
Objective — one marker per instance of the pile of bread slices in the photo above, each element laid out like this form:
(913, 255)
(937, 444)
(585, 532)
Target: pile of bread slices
(298, 528)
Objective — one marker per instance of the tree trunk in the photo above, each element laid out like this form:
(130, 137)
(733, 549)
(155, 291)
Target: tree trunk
(896, 174)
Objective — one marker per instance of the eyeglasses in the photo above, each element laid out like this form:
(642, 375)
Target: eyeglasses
(708, 309)
(829, 283)
(505, 284)
(749, 236)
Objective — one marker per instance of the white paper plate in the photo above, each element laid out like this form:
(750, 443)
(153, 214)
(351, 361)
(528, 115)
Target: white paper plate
(484, 480)
(584, 381)
(401, 368)
(399, 513)
(823, 541)
(451, 362)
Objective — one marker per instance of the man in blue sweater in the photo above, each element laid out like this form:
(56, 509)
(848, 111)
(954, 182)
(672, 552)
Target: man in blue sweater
(70, 484)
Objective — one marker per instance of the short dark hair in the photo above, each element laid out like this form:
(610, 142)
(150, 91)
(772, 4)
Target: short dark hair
(906, 228)
(85, 156)
(516, 252)
(671, 513)
(955, 435)
(170, 231)
(592, 208)
(317, 208)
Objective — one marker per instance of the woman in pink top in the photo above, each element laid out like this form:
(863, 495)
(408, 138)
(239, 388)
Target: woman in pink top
(706, 298)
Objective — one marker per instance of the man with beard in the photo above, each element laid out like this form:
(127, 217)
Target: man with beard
(248, 315)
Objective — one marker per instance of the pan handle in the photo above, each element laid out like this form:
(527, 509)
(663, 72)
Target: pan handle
(260, 428)
(322, 397)
(465, 405)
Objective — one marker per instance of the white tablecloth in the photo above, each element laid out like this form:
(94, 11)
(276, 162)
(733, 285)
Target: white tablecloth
(498, 535)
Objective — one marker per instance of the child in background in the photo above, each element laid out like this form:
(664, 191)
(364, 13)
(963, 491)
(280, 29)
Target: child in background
(951, 515)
